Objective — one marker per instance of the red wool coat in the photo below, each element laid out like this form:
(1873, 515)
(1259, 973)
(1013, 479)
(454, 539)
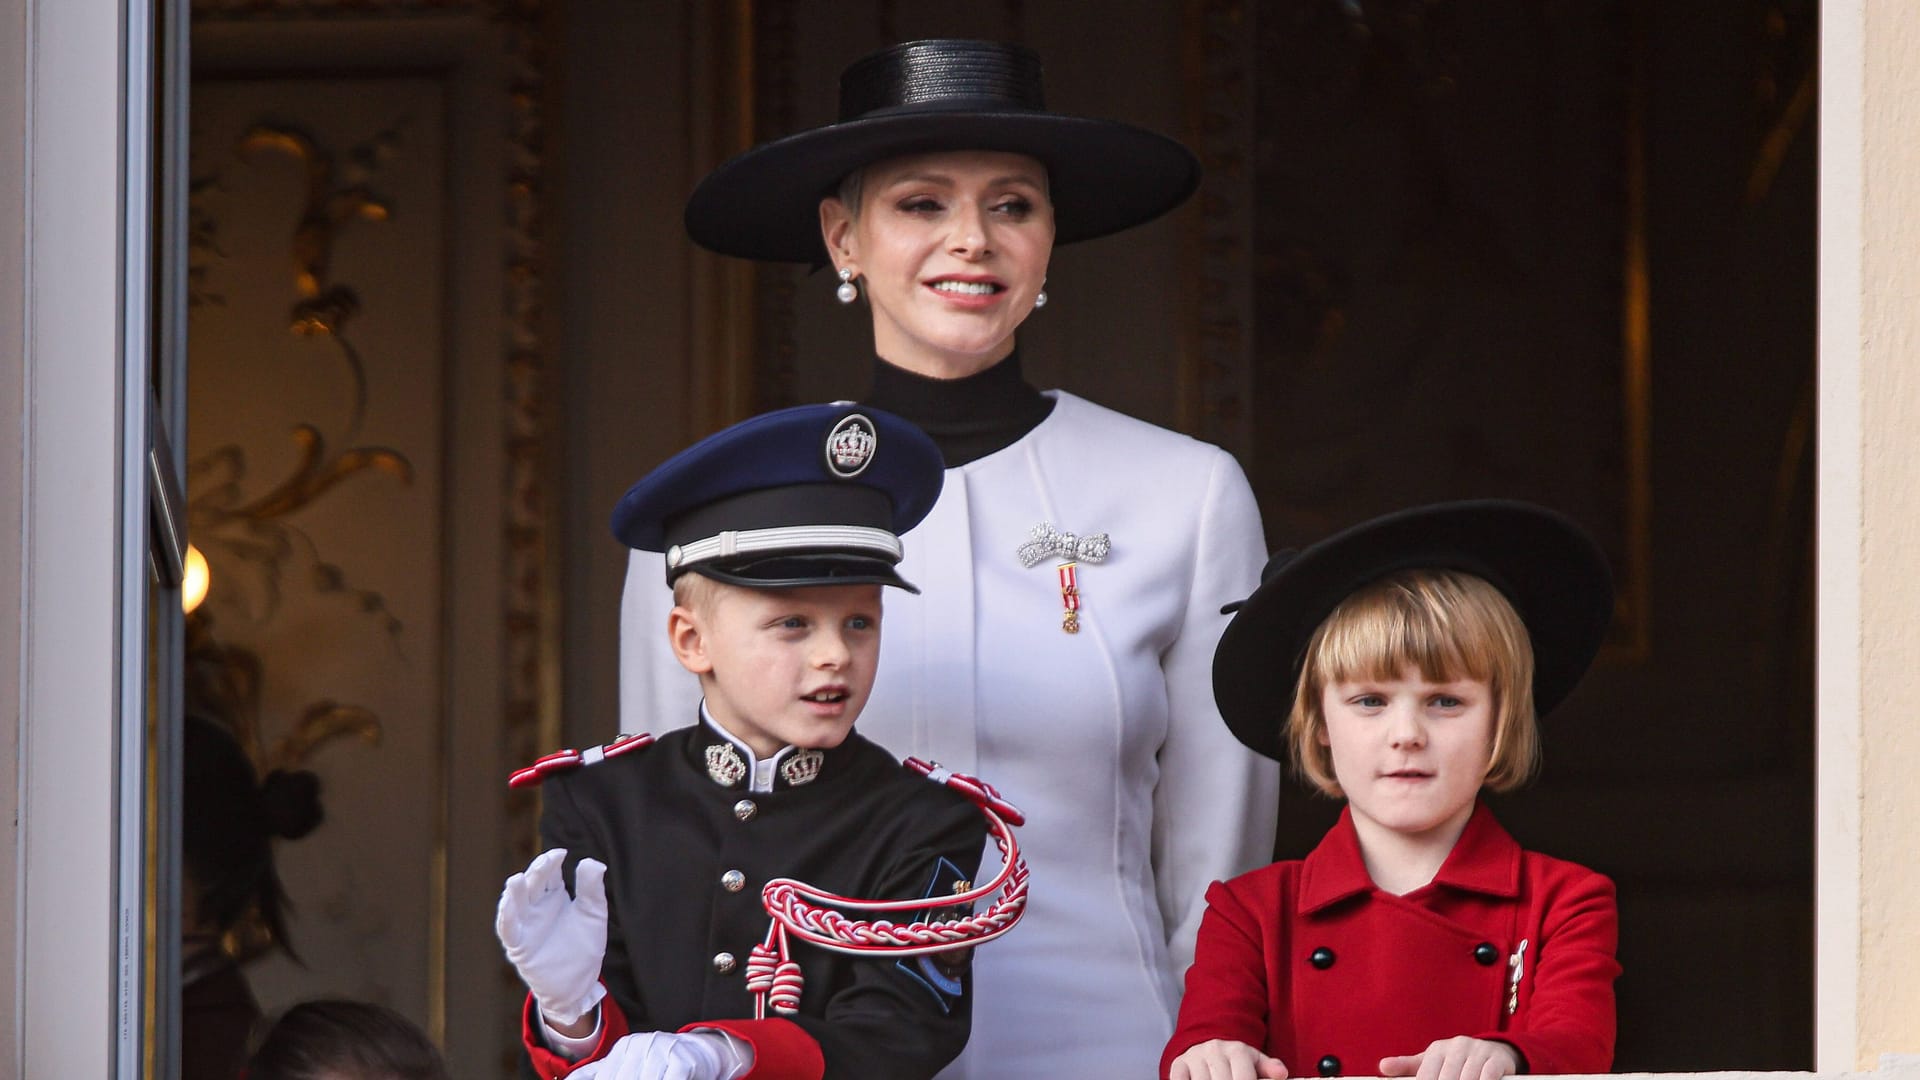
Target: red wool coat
(1329, 974)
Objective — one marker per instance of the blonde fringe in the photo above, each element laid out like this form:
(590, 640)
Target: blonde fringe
(1446, 625)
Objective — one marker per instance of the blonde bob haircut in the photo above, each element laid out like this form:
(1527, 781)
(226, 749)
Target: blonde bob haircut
(1447, 625)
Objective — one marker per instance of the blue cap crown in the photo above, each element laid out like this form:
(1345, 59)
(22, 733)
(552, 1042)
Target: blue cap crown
(811, 495)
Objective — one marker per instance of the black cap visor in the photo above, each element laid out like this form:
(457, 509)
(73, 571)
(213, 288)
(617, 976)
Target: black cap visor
(800, 572)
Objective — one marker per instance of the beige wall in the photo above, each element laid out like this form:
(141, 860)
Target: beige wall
(1890, 530)
(1869, 877)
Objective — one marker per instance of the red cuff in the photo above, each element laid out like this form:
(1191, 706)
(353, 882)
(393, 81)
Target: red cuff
(782, 1049)
(551, 1066)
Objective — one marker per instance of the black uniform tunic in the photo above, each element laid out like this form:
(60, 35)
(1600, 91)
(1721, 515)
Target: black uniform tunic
(669, 834)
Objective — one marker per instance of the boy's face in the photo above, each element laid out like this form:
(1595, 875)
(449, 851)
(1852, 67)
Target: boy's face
(782, 667)
(1410, 754)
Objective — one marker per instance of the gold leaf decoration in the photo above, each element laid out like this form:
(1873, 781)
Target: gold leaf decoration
(323, 722)
(259, 534)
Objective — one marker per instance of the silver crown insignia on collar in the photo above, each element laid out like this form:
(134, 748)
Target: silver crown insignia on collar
(1045, 541)
(725, 766)
(802, 767)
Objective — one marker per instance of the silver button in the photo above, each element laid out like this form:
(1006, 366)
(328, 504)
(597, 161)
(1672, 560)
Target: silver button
(733, 881)
(745, 809)
(723, 962)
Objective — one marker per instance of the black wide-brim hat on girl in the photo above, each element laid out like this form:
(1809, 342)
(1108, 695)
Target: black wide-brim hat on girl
(930, 96)
(806, 496)
(1549, 568)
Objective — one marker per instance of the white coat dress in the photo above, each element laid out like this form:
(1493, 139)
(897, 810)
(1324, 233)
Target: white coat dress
(1136, 795)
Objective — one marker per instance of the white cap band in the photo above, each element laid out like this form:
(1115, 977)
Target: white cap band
(796, 539)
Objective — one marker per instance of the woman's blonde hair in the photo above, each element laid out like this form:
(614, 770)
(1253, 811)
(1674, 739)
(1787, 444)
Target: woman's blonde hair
(852, 186)
(1447, 625)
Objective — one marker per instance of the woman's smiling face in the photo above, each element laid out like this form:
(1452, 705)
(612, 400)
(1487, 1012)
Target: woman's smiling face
(950, 249)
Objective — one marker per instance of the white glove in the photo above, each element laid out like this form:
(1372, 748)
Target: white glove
(556, 943)
(660, 1055)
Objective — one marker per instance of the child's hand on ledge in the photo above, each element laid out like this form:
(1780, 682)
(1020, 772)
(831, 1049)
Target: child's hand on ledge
(1458, 1058)
(1223, 1059)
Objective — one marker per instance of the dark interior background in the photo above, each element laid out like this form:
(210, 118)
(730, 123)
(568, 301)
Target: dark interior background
(1555, 249)
(1562, 252)
(1447, 192)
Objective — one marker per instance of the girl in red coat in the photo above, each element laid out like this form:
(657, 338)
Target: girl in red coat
(1418, 939)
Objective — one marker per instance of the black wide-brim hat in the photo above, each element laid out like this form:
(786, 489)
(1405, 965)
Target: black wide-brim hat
(930, 96)
(1550, 569)
(806, 496)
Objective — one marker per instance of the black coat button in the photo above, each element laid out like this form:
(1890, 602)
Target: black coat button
(1486, 954)
(1321, 958)
(1329, 1066)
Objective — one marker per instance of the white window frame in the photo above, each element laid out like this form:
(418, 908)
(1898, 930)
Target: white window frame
(75, 145)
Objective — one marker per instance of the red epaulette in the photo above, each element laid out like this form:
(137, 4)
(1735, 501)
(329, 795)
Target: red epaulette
(977, 791)
(567, 760)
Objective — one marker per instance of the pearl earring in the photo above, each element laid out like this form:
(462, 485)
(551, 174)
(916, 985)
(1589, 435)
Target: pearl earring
(848, 292)
(1040, 298)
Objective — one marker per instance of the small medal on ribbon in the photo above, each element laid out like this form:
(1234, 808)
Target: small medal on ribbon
(1043, 542)
(1069, 598)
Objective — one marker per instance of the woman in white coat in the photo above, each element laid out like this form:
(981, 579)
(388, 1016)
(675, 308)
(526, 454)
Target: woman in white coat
(1074, 567)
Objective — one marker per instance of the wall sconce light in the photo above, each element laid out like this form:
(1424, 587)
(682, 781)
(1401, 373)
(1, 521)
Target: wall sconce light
(193, 586)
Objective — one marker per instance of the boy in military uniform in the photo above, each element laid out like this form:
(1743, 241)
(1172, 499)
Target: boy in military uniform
(779, 533)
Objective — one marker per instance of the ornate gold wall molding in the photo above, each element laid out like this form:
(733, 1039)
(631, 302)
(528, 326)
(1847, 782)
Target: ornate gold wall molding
(455, 39)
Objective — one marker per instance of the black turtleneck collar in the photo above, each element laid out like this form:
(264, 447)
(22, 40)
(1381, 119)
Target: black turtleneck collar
(968, 418)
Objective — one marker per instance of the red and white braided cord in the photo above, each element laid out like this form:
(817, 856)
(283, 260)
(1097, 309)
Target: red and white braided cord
(796, 909)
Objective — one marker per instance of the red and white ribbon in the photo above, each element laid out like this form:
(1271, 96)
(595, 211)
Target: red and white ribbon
(1069, 598)
(800, 910)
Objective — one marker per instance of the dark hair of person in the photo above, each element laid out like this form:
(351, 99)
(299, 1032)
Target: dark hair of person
(345, 1040)
(228, 824)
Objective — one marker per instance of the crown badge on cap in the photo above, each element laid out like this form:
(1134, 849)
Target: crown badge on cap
(850, 446)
